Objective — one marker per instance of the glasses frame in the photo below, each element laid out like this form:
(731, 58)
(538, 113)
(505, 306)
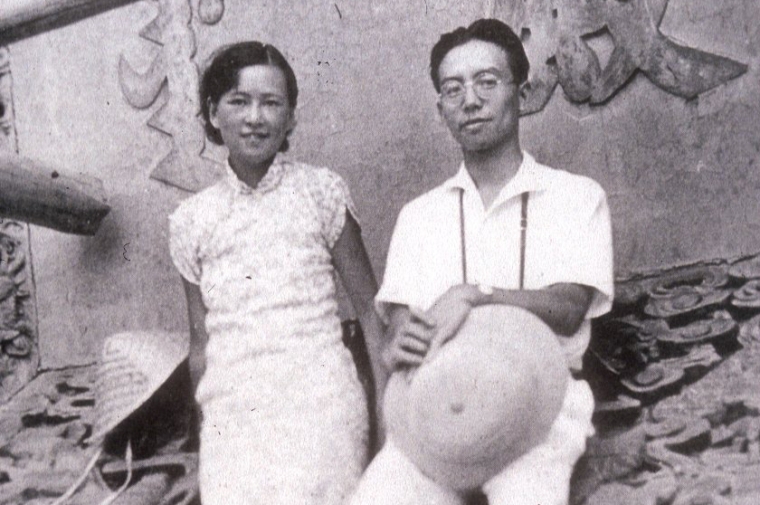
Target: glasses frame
(459, 99)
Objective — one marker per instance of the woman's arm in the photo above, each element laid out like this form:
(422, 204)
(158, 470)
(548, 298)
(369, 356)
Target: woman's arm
(352, 264)
(196, 311)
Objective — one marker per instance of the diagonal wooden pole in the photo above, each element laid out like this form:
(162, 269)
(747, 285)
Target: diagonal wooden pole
(36, 193)
(23, 18)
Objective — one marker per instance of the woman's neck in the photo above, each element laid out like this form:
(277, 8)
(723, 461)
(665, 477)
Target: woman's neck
(250, 173)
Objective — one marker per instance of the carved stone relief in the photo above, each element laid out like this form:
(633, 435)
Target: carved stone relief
(555, 33)
(210, 11)
(19, 355)
(174, 71)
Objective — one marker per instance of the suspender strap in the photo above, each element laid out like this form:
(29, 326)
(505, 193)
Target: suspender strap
(462, 236)
(523, 230)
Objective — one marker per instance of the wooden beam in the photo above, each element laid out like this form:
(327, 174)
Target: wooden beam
(36, 193)
(23, 18)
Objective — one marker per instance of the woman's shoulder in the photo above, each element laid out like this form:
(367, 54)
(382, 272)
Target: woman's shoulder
(313, 175)
(318, 183)
(203, 204)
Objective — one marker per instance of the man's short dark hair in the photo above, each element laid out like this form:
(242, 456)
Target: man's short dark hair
(488, 30)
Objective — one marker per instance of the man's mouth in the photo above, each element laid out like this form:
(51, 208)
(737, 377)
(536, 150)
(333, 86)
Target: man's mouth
(473, 123)
(256, 135)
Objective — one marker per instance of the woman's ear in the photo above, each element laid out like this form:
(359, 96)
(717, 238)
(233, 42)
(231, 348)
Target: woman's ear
(212, 108)
(292, 122)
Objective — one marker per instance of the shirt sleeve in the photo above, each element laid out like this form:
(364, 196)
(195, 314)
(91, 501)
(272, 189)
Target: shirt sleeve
(402, 277)
(334, 201)
(582, 251)
(183, 245)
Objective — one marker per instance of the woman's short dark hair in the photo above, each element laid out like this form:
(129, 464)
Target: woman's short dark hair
(488, 30)
(221, 75)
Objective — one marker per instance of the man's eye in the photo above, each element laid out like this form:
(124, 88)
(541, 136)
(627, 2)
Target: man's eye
(273, 103)
(487, 82)
(452, 89)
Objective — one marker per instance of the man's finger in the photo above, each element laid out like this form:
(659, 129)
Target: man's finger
(422, 317)
(402, 357)
(413, 344)
(418, 330)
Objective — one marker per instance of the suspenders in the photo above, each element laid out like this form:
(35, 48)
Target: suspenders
(523, 232)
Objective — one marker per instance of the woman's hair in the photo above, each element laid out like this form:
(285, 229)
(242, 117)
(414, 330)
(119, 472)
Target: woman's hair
(487, 30)
(221, 75)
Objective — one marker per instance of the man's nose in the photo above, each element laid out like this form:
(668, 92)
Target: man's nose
(471, 98)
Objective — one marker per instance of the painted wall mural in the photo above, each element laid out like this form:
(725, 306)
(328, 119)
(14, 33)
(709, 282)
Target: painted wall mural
(556, 34)
(19, 354)
(174, 72)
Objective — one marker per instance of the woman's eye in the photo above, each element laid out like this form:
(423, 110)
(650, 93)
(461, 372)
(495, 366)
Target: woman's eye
(272, 103)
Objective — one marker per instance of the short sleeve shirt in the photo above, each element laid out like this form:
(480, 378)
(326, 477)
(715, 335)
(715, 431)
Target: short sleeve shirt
(568, 240)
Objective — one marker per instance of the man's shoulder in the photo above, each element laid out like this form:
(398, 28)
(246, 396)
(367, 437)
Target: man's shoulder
(558, 182)
(428, 203)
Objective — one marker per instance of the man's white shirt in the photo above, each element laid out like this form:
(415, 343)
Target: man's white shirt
(568, 240)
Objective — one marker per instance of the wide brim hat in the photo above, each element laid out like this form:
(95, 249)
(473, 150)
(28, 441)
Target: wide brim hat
(486, 398)
(132, 367)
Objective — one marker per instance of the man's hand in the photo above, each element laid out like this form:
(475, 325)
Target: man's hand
(412, 330)
(449, 312)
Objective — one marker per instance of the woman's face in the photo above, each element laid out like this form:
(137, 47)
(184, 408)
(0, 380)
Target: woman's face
(254, 117)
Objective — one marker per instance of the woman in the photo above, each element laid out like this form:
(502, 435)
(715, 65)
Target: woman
(284, 415)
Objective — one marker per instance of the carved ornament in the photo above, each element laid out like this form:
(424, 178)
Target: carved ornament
(19, 354)
(555, 34)
(174, 71)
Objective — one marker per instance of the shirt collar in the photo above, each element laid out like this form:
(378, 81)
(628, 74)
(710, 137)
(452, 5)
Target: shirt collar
(530, 177)
(269, 182)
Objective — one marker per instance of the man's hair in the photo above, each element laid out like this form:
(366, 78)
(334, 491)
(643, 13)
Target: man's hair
(488, 30)
(221, 75)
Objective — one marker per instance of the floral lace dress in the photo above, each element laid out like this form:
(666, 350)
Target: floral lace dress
(285, 418)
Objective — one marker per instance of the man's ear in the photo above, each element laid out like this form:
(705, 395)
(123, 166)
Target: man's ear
(523, 89)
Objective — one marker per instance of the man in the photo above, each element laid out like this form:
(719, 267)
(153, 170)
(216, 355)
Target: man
(504, 230)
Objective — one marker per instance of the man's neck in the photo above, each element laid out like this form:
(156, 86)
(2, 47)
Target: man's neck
(491, 170)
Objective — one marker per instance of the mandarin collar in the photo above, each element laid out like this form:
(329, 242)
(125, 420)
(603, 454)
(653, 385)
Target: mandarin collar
(269, 182)
(529, 178)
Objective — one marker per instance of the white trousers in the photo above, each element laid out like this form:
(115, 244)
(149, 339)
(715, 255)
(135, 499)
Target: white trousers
(541, 476)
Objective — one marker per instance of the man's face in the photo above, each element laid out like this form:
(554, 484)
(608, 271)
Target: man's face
(479, 99)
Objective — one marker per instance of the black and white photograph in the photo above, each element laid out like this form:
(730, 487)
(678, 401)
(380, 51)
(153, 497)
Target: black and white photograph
(379, 252)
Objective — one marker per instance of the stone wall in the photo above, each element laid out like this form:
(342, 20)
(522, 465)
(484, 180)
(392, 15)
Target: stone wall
(110, 97)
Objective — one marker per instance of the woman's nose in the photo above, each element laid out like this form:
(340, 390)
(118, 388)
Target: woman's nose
(253, 113)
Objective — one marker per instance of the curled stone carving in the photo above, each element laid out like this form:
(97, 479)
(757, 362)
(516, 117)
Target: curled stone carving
(19, 357)
(210, 11)
(555, 34)
(173, 68)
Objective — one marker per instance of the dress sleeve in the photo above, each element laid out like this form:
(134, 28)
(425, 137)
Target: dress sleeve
(183, 245)
(334, 201)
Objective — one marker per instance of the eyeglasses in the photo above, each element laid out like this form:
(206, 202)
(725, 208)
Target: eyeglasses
(484, 86)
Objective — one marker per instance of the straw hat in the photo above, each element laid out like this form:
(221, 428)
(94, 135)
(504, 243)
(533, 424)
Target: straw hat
(488, 396)
(132, 367)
